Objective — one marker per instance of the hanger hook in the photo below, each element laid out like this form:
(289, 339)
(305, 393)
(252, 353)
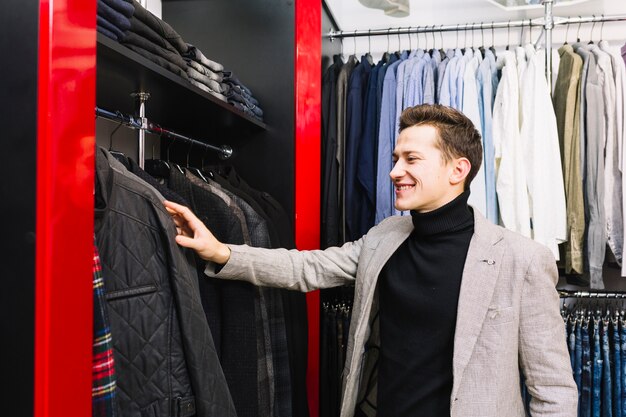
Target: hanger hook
(473, 27)
(441, 35)
(188, 152)
(482, 33)
(492, 33)
(566, 31)
(457, 36)
(521, 36)
(508, 34)
(369, 41)
(341, 42)
(593, 25)
(602, 28)
(399, 42)
(119, 114)
(388, 45)
(355, 42)
(580, 22)
(167, 151)
(410, 42)
(432, 32)
(203, 157)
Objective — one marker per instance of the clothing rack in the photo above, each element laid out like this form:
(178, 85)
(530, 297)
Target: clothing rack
(144, 125)
(588, 294)
(548, 21)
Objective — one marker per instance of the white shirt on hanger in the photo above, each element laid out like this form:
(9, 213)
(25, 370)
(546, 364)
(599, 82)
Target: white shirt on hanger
(542, 156)
(510, 169)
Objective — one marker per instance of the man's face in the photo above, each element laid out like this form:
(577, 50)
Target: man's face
(420, 175)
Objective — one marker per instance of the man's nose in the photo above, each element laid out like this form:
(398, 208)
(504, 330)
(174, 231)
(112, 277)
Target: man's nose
(397, 170)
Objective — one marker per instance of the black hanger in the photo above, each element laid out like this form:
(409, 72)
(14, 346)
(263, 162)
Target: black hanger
(492, 48)
(206, 171)
(482, 38)
(117, 154)
(194, 170)
(159, 168)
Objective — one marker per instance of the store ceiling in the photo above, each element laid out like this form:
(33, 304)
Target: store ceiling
(352, 15)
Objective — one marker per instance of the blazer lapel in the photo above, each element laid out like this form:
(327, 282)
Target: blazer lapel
(480, 273)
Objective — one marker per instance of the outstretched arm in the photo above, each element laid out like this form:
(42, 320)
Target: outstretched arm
(193, 234)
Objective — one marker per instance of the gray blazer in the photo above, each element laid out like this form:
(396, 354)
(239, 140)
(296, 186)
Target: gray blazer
(508, 316)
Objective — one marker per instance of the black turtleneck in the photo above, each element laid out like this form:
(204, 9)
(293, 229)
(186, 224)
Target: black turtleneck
(418, 294)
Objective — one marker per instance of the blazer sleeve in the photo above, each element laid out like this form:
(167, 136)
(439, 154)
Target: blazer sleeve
(290, 269)
(543, 352)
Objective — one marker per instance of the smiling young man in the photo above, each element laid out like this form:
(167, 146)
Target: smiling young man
(448, 308)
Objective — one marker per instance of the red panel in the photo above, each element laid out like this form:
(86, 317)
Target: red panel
(308, 160)
(65, 169)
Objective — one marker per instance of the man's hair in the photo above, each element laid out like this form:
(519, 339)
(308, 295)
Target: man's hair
(457, 137)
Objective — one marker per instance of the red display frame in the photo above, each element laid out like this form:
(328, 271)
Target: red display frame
(308, 164)
(64, 208)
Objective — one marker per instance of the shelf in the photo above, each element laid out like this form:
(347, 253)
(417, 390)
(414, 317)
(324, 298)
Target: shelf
(174, 103)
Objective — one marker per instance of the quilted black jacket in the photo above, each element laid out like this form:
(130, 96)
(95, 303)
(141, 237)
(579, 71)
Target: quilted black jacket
(164, 354)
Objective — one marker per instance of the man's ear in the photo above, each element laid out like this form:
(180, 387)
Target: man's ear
(460, 169)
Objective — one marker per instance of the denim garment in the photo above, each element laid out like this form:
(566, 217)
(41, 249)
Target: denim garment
(208, 90)
(571, 340)
(596, 399)
(107, 33)
(230, 78)
(584, 403)
(485, 103)
(386, 144)
(123, 6)
(113, 16)
(622, 336)
(252, 111)
(195, 75)
(197, 55)
(607, 405)
(617, 368)
(578, 356)
(110, 27)
(160, 27)
(132, 38)
(215, 76)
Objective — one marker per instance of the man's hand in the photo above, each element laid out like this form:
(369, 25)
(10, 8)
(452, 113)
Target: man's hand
(193, 234)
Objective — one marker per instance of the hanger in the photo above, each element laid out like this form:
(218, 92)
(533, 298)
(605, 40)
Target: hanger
(492, 48)
(508, 35)
(441, 50)
(457, 36)
(120, 156)
(159, 168)
(482, 40)
(386, 55)
(602, 29)
(368, 55)
(207, 171)
(578, 31)
(193, 170)
(521, 35)
(566, 32)
(592, 27)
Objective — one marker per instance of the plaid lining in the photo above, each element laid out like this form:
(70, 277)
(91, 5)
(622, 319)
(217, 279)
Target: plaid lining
(103, 369)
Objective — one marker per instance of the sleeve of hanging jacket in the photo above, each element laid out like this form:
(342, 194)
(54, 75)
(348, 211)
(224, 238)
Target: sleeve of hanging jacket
(542, 156)
(510, 170)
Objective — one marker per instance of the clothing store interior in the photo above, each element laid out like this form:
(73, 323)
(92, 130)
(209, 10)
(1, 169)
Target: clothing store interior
(274, 122)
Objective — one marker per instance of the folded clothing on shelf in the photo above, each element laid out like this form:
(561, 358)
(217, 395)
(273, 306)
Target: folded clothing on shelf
(160, 27)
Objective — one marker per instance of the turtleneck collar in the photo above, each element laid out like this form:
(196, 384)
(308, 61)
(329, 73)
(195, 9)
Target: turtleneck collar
(451, 217)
